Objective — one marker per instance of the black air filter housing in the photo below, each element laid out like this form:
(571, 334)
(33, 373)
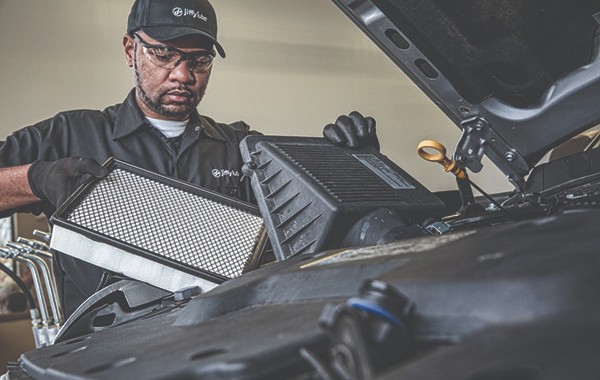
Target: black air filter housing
(311, 192)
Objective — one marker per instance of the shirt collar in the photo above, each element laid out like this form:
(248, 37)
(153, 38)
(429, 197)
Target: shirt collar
(130, 120)
(207, 126)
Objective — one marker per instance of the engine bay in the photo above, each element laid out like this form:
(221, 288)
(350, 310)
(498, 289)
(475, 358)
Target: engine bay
(432, 299)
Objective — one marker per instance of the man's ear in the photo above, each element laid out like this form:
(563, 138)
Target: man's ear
(129, 49)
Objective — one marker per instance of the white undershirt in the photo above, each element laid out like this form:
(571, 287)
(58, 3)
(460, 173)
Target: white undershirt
(168, 128)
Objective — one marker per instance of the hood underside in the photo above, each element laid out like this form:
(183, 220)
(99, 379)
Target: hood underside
(511, 49)
(519, 77)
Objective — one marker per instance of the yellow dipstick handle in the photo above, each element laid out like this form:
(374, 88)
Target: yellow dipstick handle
(433, 151)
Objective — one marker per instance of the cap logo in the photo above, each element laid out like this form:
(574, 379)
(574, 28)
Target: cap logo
(177, 12)
(181, 12)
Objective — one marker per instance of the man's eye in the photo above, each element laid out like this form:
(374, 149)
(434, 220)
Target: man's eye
(203, 60)
(163, 54)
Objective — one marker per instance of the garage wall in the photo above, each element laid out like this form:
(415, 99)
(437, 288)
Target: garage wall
(15, 338)
(292, 67)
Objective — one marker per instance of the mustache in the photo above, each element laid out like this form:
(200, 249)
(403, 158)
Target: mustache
(181, 89)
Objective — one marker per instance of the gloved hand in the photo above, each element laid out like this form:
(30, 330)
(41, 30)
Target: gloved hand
(54, 181)
(352, 130)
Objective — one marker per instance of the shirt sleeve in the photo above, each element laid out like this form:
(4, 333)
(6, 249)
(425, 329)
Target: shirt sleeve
(23, 147)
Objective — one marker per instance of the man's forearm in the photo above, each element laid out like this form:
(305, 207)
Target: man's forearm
(14, 188)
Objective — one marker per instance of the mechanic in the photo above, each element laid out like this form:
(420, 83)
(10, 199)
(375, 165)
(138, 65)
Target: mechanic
(170, 45)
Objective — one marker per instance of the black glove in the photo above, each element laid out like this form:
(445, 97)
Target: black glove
(353, 130)
(54, 181)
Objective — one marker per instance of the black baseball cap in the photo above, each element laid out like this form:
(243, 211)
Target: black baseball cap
(165, 20)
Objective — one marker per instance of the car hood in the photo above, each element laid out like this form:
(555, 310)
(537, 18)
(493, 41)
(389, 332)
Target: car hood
(517, 77)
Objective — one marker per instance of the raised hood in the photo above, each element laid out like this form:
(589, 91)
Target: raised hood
(518, 77)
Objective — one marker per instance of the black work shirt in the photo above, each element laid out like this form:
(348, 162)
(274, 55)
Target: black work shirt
(207, 155)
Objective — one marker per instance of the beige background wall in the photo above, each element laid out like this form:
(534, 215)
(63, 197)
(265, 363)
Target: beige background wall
(292, 66)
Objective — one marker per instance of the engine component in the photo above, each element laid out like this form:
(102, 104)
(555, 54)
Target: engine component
(51, 290)
(564, 173)
(434, 151)
(368, 333)
(46, 320)
(311, 192)
(117, 303)
(380, 226)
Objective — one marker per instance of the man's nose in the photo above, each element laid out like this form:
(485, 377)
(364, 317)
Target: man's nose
(182, 72)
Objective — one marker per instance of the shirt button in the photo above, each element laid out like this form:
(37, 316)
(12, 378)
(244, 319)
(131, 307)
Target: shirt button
(197, 129)
(234, 192)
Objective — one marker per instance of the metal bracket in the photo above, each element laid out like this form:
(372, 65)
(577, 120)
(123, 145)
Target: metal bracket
(477, 140)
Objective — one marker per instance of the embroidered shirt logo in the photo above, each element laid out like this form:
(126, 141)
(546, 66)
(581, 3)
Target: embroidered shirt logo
(218, 173)
(182, 12)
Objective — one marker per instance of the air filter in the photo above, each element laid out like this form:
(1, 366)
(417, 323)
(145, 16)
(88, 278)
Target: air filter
(159, 230)
(311, 192)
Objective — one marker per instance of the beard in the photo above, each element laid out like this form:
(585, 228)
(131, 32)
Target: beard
(180, 111)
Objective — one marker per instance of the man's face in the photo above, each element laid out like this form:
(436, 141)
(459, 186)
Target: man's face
(170, 94)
